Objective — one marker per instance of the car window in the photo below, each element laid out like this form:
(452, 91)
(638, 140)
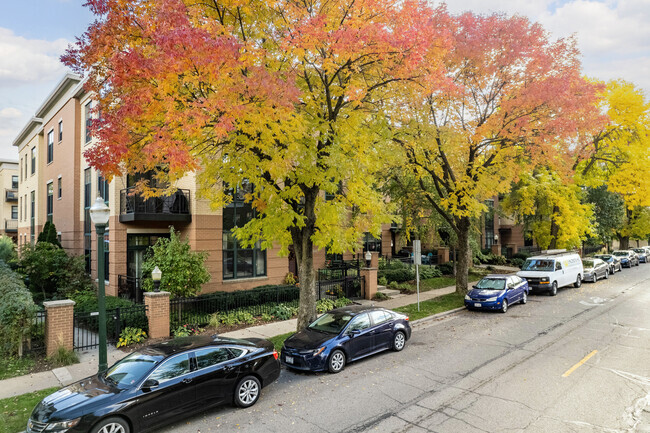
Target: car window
(360, 322)
(537, 265)
(491, 284)
(131, 369)
(212, 356)
(379, 316)
(172, 368)
(558, 266)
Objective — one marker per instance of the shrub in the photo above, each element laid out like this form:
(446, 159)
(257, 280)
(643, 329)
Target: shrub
(290, 279)
(380, 296)
(186, 330)
(447, 268)
(324, 305)
(131, 336)
(516, 262)
(382, 281)
(231, 318)
(283, 312)
(393, 285)
(427, 272)
(342, 302)
(498, 260)
(521, 255)
(183, 270)
(17, 312)
(406, 289)
(399, 275)
(63, 356)
(49, 234)
(7, 250)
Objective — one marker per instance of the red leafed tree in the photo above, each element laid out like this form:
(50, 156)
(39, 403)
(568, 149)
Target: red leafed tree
(513, 99)
(289, 96)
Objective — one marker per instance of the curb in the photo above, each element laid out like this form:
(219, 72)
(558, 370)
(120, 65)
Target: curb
(425, 320)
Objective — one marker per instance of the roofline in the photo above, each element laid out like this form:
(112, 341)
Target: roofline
(26, 131)
(58, 91)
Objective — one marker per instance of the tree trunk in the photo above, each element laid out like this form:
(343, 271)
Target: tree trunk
(624, 242)
(462, 255)
(304, 249)
(554, 229)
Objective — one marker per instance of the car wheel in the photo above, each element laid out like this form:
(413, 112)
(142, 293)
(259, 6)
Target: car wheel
(594, 279)
(247, 391)
(504, 306)
(578, 282)
(112, 425)
(336, 361)
(524, 298)
(606, 273)
(399, 341)
(553, 291)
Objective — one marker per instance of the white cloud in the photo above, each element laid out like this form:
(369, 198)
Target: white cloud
(25, 61)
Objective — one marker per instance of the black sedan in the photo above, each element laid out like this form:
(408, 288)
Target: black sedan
(344, 335)
(160, 384)
(613, 262)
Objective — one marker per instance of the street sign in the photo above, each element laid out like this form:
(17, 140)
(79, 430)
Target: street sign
(417, 252)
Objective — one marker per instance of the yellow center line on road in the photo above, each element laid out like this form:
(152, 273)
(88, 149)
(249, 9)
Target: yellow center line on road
(585, 359)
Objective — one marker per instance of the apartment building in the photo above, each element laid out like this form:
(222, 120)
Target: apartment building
(9, 207)
(502, 234)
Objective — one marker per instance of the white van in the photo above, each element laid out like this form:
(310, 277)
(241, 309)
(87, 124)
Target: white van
(552, 270)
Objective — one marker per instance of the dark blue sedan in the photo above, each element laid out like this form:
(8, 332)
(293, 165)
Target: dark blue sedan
(345, 335)
(497, 292)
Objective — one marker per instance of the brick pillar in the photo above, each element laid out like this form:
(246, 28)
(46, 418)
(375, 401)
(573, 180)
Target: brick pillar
(374, 261)
(59, 324)
(370, 282)
(443, 255)
(496, 249)
(158, 313)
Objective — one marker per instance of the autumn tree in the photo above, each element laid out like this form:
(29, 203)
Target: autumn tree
(512, 98)
(289, 96)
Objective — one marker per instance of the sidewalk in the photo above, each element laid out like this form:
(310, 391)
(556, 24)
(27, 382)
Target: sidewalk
(88, 362)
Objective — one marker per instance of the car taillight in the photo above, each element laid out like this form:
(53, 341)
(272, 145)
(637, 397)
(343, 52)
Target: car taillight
(275, 354)
(407, 318)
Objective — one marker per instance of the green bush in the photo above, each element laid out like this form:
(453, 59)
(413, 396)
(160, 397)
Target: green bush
(380, 296)
(516, 262)
(447, 268)
(283, 312)
(17, 312)
(427, 272)
(382, 281)
(231, 318)
(131, 336)
(342, 302)
(393, 285)
(521, 255)
(49, 234)
(63, 357)
(324, 305)
(399, 275)
(7, 250)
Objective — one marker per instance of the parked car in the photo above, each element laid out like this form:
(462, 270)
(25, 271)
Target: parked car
(628, 258)
(159, 384)
(642, 254)
(595, 269)
(344, 335)
(613, 261)
(497, 292)
(548, 272)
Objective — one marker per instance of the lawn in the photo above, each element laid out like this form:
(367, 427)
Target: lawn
(16, 410)
(447, 280)
(278, 340)
(433, 306)
(13, 367)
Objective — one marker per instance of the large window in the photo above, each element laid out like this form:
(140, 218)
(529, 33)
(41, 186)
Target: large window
(50, 201)
(60, 130)
(87, 222)
(50, 146)
(14, 181)
(102, 188)
(240, 262)
(32, 224)
(89, 120)
(14, 212)
(33, 154)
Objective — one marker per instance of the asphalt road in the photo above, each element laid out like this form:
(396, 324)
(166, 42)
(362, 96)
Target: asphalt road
(577, 362)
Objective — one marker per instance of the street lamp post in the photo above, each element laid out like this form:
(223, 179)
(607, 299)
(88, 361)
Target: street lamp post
(156, 276)
(99, 214)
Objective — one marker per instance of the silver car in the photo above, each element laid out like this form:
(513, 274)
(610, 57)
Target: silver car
(594, 269)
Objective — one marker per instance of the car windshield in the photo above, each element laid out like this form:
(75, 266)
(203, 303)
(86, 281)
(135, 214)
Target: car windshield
(491, 284)
(131, 369)
(620, 253)
(605, 257)
(588, 263)
(639, 250)
(538, 265)
(332, 323)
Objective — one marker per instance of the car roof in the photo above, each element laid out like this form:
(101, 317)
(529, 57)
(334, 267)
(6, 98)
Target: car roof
(355, 309)
(176, 345)
(497, 276)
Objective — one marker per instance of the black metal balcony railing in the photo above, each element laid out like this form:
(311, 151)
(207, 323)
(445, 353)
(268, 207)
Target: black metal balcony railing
(11, 195)
(129, 288)
(170, 208)
(11, 225)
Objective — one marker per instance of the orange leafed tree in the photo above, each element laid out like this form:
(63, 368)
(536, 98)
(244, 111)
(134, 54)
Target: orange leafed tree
(513, 99)
(289, 96)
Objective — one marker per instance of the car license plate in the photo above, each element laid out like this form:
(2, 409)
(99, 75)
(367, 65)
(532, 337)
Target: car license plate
(288, 359)
(478, 304)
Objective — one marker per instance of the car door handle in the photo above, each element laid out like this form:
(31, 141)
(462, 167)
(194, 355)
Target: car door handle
(187, 380)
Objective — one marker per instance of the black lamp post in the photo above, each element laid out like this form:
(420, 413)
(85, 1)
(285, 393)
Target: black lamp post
(156, 276)
(99, 214)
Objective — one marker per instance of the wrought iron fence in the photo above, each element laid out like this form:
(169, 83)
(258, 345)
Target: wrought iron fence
(197, 311)
(36, 341)
(176, 203)
(349, 286)
(86, 325)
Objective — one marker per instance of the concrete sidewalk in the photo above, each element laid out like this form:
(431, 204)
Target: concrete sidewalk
(88, 361)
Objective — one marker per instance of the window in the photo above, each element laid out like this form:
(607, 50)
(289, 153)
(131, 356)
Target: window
(239, 262)
(25, 171)
(14, 181)
(379, 317)
(359, 322)
(20, 207)
(33, 152)
(50, 201)
(87, 222)
(59, 188)
(14, 212)
(60, 130)
(212, 356)
(371, 243)
(21, 168)
(32, 225)
(89, 120)
(172, 368)
(50, 146)
(102, 188)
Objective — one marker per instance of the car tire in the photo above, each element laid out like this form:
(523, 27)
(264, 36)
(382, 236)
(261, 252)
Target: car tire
(399, 341)
(112, 425)
(247, 391)
(578, 282)
(504, 306)
(594, 279)
(553, 291)
(336, 362)
(524, 298)
(606, 274)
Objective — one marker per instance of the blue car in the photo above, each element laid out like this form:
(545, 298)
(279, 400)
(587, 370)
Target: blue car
(497, 292)
(344, 335)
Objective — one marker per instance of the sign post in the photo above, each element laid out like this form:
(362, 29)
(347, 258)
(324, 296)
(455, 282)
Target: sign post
(417, 259)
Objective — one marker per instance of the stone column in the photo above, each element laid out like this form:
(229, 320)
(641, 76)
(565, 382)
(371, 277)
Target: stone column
(59, 325)
(374, 261)
(443, 255)
(370, 282)
(158, 313)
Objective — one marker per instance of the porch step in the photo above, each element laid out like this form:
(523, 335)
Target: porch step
(388, 292)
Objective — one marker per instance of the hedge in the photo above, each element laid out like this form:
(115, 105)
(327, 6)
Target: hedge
(17, 312)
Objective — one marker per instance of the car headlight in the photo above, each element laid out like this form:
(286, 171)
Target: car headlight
(545, 279)
(491, 299)
(62, 425)
(467, 298)
(318, 351)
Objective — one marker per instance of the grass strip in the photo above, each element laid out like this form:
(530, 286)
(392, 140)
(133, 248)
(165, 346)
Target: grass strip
(15, 411)
(278, 340)
(13, 367)
(432, 306)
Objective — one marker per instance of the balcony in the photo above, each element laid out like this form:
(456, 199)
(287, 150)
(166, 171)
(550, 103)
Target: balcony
(11, 226)
(11, 195)
(170, 208)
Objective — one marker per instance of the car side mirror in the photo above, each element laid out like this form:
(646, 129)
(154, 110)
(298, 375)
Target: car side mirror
(354, 332)
(150, 384)
(474, 287)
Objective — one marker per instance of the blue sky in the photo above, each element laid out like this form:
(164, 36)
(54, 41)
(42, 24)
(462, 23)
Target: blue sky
(613, 36)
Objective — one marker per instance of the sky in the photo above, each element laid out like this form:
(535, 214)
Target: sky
(613, 37)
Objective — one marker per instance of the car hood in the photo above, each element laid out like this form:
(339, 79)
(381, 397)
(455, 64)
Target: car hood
(533, 274)
(74, 400)
(307, 339)
(589, 269)
(485, 294)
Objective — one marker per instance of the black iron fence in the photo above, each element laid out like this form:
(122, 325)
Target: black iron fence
(258, 301)
(134, 203)
(36, 341)
(86, 325)
(351, 287)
